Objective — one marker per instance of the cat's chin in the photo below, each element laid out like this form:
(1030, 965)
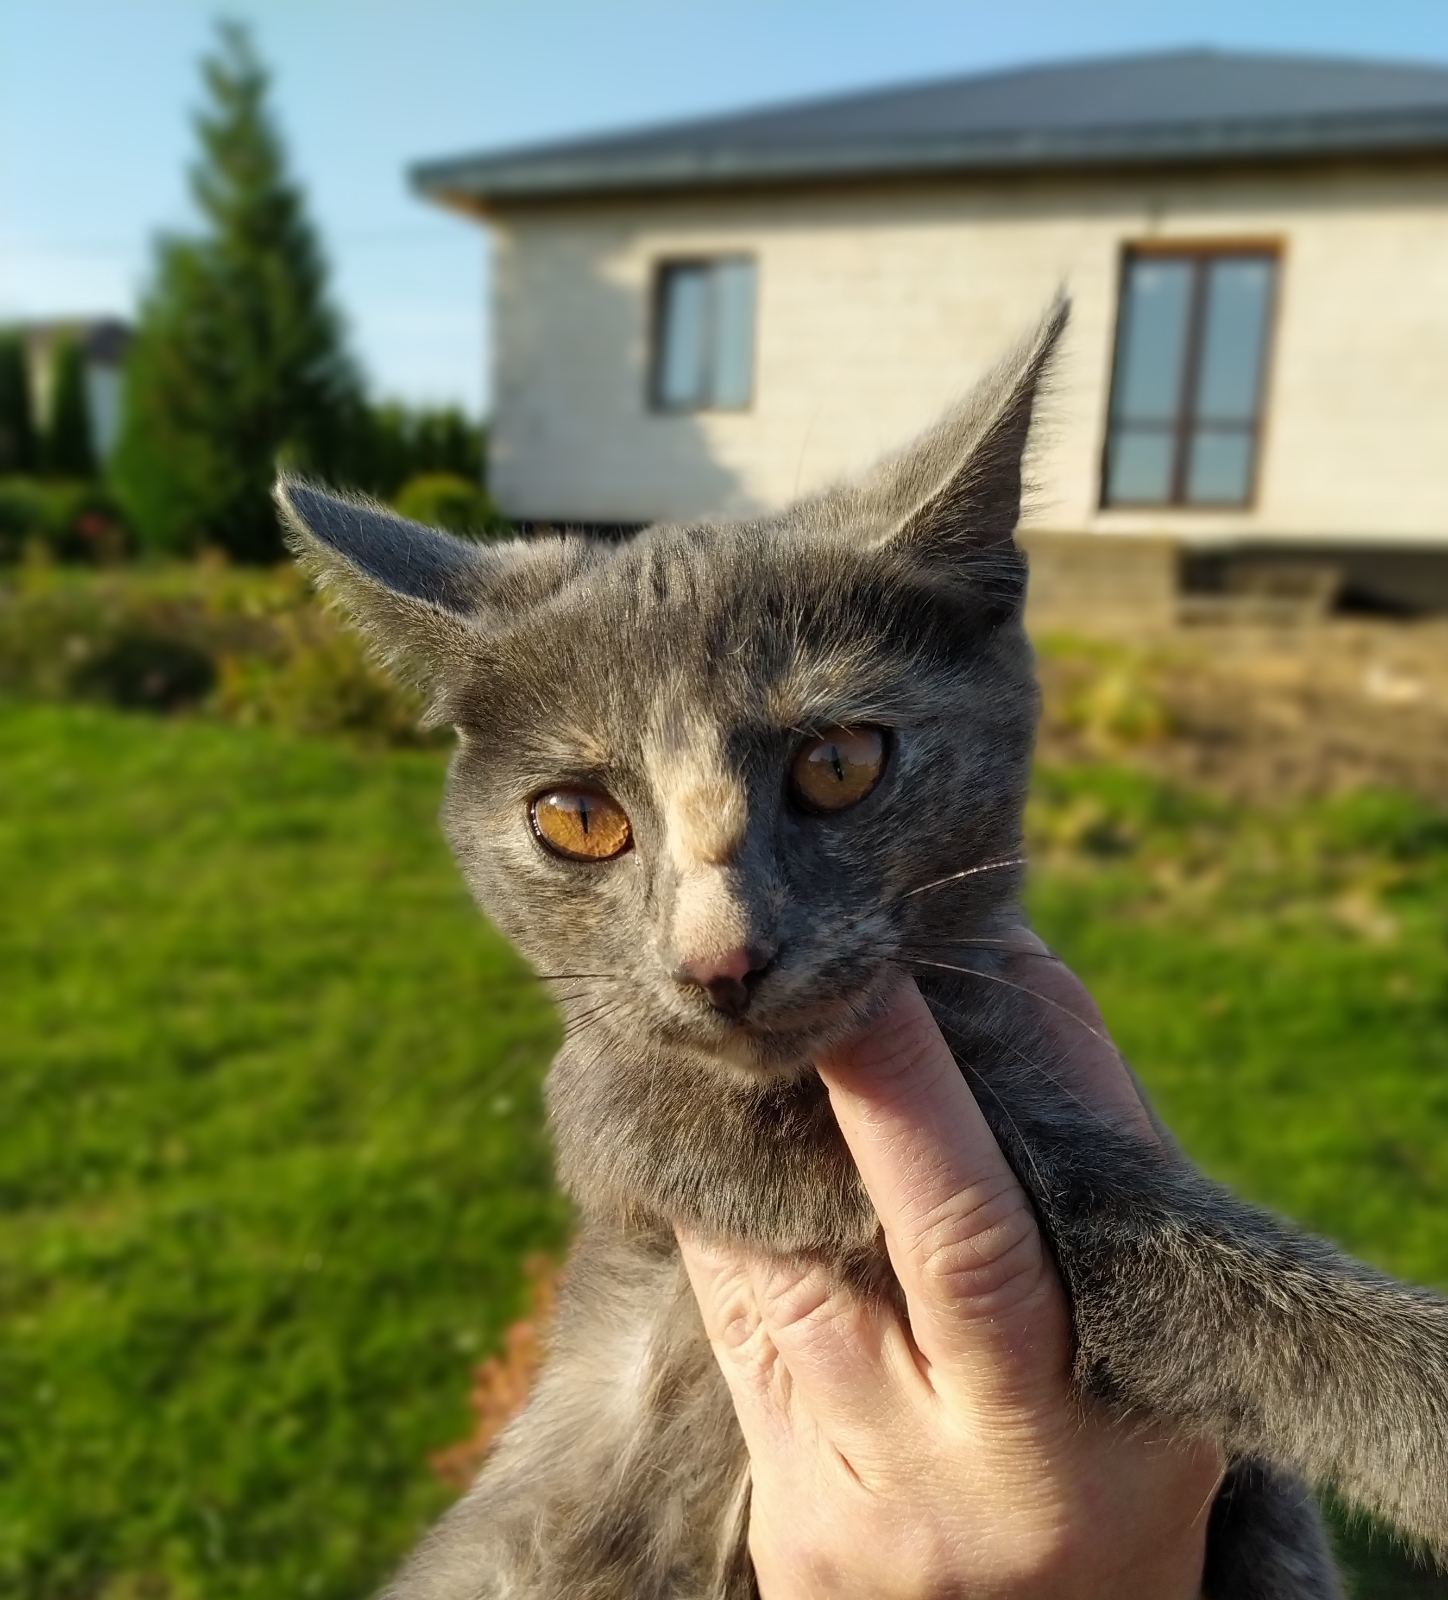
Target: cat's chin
(755, 1057)
(776, 1049)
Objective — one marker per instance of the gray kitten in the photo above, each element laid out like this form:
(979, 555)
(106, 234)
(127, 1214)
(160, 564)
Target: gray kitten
(732, 779)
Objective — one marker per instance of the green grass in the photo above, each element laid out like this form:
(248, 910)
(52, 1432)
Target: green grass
(1281, 983)
(270, 1147)
(270, 1160)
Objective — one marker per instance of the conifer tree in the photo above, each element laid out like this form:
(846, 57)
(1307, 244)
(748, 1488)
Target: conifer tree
(17, 422)
(240, 360)
(68, 449)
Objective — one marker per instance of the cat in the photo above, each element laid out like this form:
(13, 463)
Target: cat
(723, 783)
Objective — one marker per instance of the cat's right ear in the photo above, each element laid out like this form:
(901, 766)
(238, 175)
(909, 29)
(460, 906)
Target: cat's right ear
(952, 499)
(424, 600)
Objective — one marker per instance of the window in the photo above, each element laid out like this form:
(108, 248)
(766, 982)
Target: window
(703, 357)
(1185, 418)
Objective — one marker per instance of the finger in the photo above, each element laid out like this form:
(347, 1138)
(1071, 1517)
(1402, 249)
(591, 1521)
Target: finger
(746, 1356)
(798, 1349)
(984, 1304)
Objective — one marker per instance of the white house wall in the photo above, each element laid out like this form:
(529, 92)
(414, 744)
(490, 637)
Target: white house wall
(877, 307)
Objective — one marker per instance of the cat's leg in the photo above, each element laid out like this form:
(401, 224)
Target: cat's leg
(1266, 1540)
(1204, 1312)
(1194, 1307)
(622, 1478)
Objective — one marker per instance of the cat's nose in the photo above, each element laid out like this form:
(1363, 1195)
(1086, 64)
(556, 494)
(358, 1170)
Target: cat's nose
(728, 979)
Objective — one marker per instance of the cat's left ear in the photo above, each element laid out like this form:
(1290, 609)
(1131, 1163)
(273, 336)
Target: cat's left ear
(425, 600)
(956, 492)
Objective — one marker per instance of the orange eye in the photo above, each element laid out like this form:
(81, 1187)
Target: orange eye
(581, 824)
(837, 769)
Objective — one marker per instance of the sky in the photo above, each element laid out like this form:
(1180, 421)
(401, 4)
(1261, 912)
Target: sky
(96, 98)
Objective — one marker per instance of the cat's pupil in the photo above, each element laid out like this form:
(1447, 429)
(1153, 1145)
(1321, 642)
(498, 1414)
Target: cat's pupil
(837, 769)
(580, 824)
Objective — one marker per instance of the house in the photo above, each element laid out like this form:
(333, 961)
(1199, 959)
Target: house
(715, 316)
(104, 342)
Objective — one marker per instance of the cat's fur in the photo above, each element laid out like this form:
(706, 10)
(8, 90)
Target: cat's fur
(679, 671)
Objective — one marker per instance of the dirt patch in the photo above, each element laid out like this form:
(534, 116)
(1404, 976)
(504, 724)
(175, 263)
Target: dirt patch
(1260, 713)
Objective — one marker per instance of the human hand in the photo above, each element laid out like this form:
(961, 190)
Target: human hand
(944, 1453)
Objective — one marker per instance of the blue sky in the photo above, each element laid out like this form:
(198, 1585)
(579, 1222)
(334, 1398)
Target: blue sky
(95, 97)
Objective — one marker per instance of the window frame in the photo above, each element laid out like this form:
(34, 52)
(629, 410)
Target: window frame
(1184, 424)
(662, 267)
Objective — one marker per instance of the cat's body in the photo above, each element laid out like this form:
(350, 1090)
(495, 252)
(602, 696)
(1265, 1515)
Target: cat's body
(674, 679)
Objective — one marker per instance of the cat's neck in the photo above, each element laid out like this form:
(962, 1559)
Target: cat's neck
(668, 1143)
(650, 1140)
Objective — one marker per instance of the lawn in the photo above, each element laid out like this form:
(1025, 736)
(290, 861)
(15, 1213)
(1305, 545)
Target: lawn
(270, 1149)
(271, 1158)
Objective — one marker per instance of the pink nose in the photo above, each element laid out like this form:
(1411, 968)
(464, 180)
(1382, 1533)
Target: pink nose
(728, 979)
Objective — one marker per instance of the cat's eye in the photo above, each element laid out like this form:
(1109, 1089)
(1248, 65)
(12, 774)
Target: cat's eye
(838, 768)
(581, 824)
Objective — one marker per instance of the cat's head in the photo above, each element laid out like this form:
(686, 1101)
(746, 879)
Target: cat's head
(712, 770)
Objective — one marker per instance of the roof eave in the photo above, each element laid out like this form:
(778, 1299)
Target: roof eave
(480, 183)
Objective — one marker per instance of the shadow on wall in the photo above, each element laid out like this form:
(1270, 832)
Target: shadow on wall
(577, 440)
(869, 322)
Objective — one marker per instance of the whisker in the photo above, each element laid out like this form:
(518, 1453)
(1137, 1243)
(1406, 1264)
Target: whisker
(965, 872)
(587, 983)
(576, 999)
(559, 998)
(585, 991)
(1035, 994)
(877, 909)
(1033, 1065)
(612, 1012)
(1057, 1083)
(563, 977)
(585, 986)
(572, 1005)
(977, 1074)
(574, 1034)
(600, 1012)
(578, 1022)
(988, 944)
(653, 1077)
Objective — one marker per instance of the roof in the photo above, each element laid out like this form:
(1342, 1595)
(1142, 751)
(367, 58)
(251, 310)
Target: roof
(1179, 107)
(104, 339)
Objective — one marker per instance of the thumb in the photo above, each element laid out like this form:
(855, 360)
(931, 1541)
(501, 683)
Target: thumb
(985, 1306)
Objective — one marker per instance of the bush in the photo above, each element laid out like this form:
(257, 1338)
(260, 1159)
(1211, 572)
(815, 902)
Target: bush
(389, 443)
(320, 681)
(63, 642)
(71, 521)
(140, 669)
(248, 646)
(62, 639)
(87, 524)
(23, 515)
(445, 500)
